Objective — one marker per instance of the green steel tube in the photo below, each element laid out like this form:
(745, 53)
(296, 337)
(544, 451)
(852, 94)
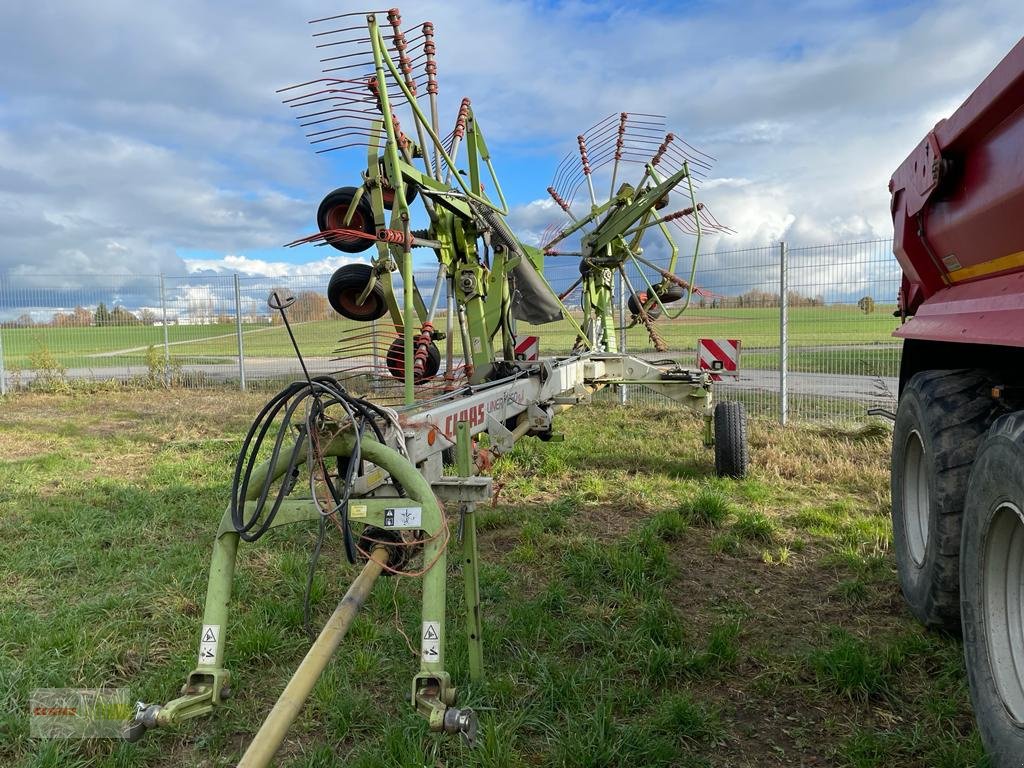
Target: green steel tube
(270, 735)
(470, 559)
(218, 592)
(401, 207)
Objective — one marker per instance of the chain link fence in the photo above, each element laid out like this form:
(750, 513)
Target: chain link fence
(814, 323)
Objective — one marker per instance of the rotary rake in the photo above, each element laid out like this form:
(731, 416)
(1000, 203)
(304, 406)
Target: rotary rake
(610, 235)
(373, 469)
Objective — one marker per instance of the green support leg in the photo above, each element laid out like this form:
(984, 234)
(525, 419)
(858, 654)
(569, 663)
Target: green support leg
(470, 561)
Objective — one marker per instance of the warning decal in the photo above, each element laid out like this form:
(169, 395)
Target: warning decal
(720, 357)
(528, 348)
(403, 517)
(430, 645)
(208, 643)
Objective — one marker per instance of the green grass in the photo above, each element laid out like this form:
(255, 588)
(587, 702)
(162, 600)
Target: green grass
(637, 611)
(92, 347)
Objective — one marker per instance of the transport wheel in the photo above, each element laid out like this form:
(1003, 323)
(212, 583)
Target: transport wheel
(388, 192)
(670, 293)
(941, 419)
(992, 579)
(331, 215)
(389, 195)
(637, 300)
(731, 454)
(396, 360)
(347, 285)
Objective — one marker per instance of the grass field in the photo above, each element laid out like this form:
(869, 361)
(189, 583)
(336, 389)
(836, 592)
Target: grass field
(757, 328)
(638, 612)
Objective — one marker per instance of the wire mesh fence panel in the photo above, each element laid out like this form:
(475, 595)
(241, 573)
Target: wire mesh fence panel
(736, 297)
(217, 329)
(58, 327)
(843, 358)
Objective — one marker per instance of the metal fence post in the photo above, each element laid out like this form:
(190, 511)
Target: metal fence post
(783, 337)
(167, 345)
(238, 331)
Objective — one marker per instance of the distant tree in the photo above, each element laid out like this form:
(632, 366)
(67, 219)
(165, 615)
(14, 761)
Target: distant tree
(147, 317)
(309, 305)
(120, 317)
(755, 297)
(866, 305)
(24, 321)
(82, 317)
(102, 315)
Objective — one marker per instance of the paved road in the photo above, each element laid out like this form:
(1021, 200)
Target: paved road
(866, 389)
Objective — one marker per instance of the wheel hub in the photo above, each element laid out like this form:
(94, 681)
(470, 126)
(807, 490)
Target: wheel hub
(1003, 590)
(915, 498)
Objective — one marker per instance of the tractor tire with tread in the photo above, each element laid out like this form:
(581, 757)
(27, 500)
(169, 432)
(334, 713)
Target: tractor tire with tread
(991, 564)
(940, 422)
(731, 451)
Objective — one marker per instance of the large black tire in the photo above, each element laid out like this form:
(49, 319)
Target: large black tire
(992, 580)
(731, 451)
(331, 215)
(669, 293)
(941, 419)
(347, 285)
(396, 360)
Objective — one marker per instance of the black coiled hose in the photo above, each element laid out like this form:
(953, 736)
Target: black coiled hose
(318, 394)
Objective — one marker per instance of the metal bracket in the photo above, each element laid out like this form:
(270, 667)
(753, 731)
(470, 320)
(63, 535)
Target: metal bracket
(463, 489)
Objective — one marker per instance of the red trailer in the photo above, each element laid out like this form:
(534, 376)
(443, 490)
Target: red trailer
(958, 442)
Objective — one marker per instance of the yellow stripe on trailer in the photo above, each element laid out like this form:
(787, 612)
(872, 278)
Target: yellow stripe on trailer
(1003, 263)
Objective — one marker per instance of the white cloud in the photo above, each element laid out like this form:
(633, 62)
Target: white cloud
(244, 265)
(127, 138)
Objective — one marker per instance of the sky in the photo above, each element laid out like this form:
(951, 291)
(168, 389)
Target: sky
(138, 139)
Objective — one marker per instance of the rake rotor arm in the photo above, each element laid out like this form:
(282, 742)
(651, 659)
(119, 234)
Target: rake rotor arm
(619, 221)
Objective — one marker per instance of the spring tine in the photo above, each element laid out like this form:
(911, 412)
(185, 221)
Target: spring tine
(340, 29)
(340, 136)
(360, 40)
(343, 16)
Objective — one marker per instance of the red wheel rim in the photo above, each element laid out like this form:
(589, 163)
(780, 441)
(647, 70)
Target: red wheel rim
(348, 300)
(336, 220)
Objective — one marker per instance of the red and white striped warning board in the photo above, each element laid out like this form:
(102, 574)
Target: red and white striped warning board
(719, 356)
(528, 348)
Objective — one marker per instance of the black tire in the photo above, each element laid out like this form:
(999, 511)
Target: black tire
(731, 451)
(347, 285)
(635, 301)
(941, 419)
(388, 192)
(331, 215)
(990, 577)
(669, 293)
(388, 195)
(396, 360)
